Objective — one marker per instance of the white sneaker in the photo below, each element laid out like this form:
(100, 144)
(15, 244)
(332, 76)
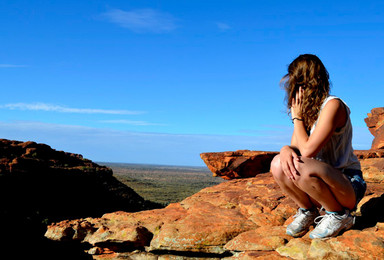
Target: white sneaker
(302, 221)
(331, 224)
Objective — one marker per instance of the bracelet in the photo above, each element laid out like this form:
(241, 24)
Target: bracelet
(300, 119)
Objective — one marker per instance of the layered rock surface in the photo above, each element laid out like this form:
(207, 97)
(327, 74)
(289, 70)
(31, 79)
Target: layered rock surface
(39, 185)
(239, 219)
(243, 218)
(238, 164)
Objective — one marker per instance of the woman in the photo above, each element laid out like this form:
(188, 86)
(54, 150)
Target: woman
(319, 168)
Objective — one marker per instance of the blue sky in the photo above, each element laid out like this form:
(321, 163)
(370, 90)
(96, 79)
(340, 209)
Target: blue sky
(161, 81)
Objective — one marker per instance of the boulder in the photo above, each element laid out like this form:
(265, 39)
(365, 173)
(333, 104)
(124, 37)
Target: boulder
(245, 163)
(238, 164)
(375, 123)
(372, 164)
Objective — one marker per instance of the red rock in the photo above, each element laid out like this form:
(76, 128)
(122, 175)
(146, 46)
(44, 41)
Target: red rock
(368, 154)
(246, 216)
(39, 184)
(239, 164)
(205, 228)
(238, 215)
(263, 238)
(204, 222)
(353, 244)
(296, 248)
(256, 255)
(378, 142)
(375, 123)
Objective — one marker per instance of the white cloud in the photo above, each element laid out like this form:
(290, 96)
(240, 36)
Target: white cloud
(223, 26)
(62, 109)
(129, 122)
(110, 145)
(12, 66)
(142, 20)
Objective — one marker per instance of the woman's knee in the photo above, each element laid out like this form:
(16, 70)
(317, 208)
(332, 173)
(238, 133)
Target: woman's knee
(276, 166)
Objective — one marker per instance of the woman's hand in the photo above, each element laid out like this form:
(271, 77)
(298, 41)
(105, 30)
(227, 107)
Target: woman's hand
(297, 104)
(287, 157)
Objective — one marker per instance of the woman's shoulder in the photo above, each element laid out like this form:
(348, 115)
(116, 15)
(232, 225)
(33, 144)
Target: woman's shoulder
(332, 99)
(336, 108)
(335, 103)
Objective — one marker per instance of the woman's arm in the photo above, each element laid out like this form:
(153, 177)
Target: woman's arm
(293, 140)
(288, 154)
(332, 116)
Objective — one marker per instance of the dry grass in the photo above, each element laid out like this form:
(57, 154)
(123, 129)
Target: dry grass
(163, 184)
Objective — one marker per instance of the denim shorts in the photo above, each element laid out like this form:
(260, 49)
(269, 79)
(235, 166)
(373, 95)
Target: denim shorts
(358, 183)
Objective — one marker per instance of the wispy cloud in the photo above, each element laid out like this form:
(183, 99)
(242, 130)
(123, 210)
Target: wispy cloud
(223, 26)
(129, 122)
(12, 66)
(142, 20)
(62, 109)
(103, 144)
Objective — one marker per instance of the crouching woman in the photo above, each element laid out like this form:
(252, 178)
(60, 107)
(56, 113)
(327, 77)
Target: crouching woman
(319, 168)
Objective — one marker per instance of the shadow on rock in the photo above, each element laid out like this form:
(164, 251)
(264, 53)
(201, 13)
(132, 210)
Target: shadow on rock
(371, 213)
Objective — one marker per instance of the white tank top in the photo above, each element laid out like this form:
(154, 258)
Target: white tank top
(338, 151)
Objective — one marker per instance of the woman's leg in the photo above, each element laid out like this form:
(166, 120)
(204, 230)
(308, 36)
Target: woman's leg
(306, 214)
(325, 184)
(300, 197)
(316, 184)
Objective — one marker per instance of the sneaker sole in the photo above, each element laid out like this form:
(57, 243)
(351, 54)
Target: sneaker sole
(300, 234)
(351, 223)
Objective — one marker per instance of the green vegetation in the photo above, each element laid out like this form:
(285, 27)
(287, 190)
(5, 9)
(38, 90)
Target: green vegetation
(163, 184)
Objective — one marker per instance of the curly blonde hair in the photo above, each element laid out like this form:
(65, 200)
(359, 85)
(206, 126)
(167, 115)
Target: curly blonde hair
(307, 71)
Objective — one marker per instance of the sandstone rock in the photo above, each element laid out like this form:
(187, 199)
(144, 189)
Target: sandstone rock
(39, 185)
(239, 164)
(296, 248)
(204, 222)
(241, 215)
(372, 164)
(245, 163)
(60, 185)
(256, 255)
(243, 218)
(266, 238)
(369, 154)
(353, 244)
(375, 119)
(205, 228)
(375, 123)
(378, 142)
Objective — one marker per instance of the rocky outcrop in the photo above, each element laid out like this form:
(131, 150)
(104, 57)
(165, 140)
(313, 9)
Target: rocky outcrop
(238, 164)
(39, 185)
(239, 219)
(243, 218)
(203, 223)
(245, 163)
(375, 123)
(243, 215)
(372, 164)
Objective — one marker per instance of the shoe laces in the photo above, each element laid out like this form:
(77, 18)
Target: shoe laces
(332, 215)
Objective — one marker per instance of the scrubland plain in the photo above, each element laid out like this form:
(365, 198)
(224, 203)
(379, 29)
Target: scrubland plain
(163, 184)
